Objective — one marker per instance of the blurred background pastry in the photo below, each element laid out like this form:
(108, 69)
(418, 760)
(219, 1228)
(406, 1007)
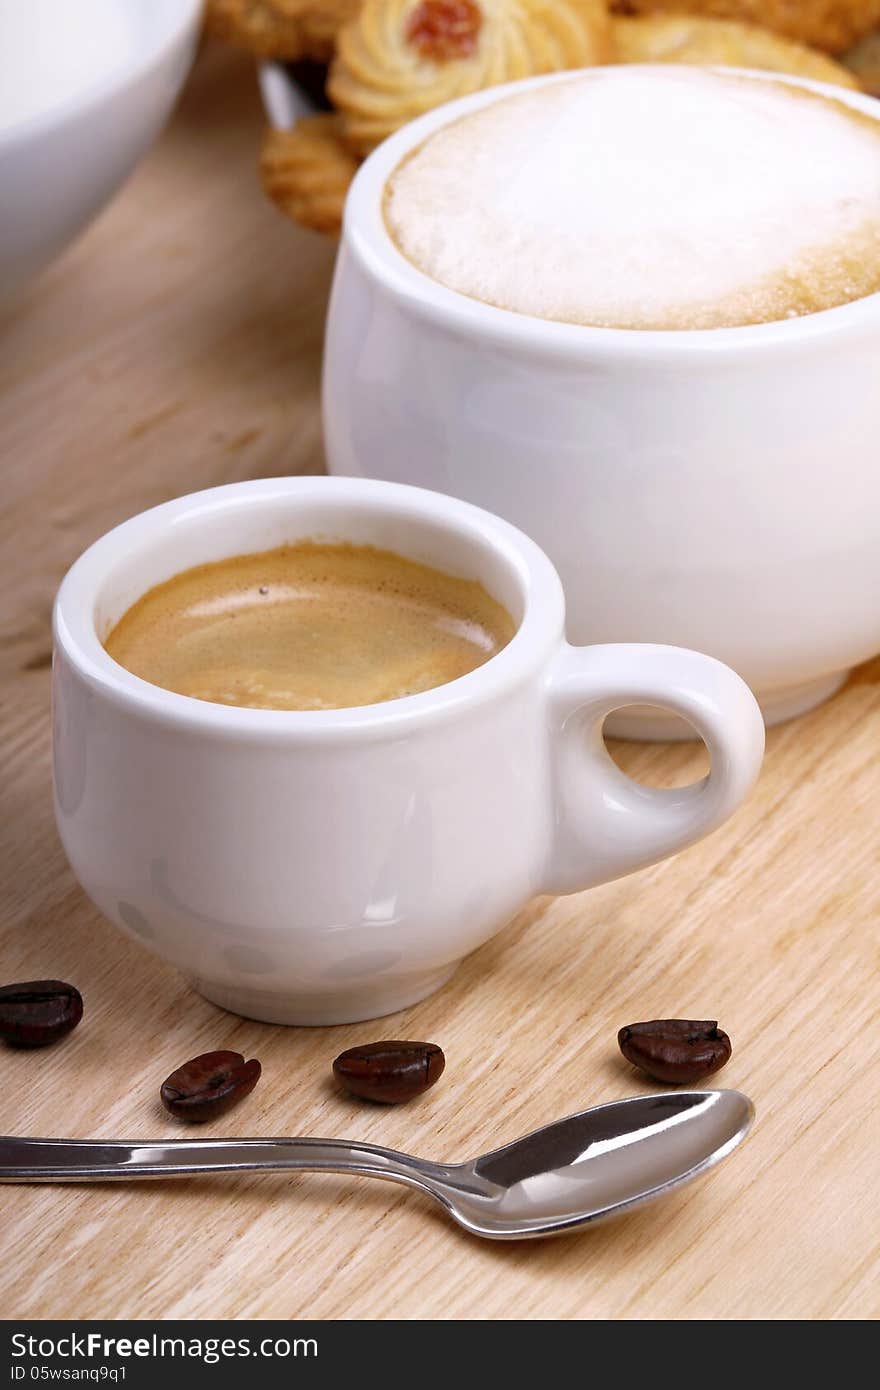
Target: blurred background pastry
(306, 171)
(285, 29)
(684, 38)
(864, 63)
(373, 65)
(832, 25)
(399, 58)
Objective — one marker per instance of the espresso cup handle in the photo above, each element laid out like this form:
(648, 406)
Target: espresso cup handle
(606, 824)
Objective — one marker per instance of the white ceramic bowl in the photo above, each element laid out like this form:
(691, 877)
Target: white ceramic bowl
(78, 106)
(717, 490)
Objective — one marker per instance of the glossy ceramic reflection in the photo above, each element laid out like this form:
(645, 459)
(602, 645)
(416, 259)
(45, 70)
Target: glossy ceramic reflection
(325, 866)
(715, 489)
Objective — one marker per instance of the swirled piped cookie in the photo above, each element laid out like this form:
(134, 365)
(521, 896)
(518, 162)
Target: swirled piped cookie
(663, 197)
(399, 58)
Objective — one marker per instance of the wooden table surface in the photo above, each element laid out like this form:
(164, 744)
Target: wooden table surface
(177, 345)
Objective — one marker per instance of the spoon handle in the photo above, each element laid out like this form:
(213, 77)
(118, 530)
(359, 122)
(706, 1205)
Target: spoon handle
(88, 1160)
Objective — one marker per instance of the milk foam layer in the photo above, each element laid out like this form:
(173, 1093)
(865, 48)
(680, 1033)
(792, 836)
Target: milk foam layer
(309, 626)
(648, 198)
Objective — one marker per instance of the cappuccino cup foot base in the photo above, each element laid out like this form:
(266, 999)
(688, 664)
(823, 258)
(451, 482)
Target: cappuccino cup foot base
(310, 1011)
(779, 705)
(644, 724)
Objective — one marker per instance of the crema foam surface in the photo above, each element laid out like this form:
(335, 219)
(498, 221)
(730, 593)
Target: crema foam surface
(309, 626)
(652, 198)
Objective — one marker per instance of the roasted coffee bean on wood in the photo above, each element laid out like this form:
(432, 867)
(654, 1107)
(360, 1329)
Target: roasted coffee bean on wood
(675, 1050)
(38, 1012)
(209, 1085)
(389, 1072)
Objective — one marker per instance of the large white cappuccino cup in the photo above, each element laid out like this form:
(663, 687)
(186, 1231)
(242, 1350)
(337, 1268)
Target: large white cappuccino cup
(716, 489)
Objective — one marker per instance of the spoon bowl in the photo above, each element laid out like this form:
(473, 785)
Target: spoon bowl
(602, 1161)
(566, 1175)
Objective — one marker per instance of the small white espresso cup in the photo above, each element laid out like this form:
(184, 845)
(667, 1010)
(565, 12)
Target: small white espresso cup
(334, 865)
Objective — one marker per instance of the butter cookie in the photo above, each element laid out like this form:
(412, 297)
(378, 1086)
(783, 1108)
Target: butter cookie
(864, 62)
(691, 39)
(399, 58)
(832, 25)
(283, 29)
(306, 171)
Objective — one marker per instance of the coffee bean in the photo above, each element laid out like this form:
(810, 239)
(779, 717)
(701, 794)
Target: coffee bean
(675, 1050)
(389, 1072)
(38, 1012)
(209, 1085)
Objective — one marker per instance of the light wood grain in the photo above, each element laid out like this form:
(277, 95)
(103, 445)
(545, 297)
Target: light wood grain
(177, 346)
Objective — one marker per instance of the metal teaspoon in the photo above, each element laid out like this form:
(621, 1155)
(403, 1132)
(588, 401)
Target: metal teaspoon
(578, 1170)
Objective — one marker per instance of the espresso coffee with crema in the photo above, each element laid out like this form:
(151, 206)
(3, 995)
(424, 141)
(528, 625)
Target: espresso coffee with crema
(309, 626)
(652, 198)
